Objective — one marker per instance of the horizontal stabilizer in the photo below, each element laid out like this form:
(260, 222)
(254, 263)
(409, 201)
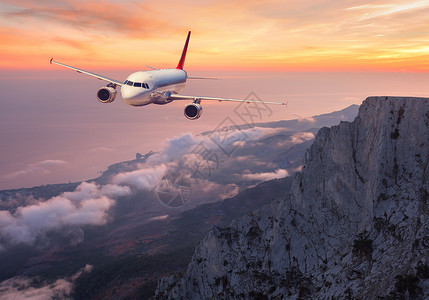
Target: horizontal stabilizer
(198, 77)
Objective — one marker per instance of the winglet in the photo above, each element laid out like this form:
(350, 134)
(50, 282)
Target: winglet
(51, 60)
(182, 58)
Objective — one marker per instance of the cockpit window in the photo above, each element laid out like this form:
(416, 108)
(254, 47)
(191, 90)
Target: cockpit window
(137, 84)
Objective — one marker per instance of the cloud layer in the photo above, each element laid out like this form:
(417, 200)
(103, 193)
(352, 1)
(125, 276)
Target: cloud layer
(89, 204)
(28, 288)
(189, 170)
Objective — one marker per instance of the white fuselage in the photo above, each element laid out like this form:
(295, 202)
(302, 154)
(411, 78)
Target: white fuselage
(146, 87)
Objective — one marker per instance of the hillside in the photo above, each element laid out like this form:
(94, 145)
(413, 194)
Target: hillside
(355, 225)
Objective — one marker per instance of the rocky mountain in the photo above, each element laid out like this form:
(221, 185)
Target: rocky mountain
(354, 226)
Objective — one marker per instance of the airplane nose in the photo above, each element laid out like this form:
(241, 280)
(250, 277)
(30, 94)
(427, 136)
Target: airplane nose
(128, 92)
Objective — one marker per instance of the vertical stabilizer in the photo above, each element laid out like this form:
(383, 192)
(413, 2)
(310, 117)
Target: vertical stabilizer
(182, 58)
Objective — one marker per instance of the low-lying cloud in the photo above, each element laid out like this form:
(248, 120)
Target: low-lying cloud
(145, 179)
(280, 173)
(22, 288)
(89, 204)
(30, 288)
(301, 137)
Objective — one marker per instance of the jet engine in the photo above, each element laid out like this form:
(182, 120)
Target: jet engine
(106, 94)
(193, 111)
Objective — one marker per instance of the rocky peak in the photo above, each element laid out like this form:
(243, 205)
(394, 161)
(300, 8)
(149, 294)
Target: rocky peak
(356, 222)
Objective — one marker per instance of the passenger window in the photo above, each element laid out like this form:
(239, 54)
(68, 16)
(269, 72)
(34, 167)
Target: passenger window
(130, 83)
(138, 84)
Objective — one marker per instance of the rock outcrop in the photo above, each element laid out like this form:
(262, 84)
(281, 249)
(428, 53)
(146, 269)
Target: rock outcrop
(355, 225)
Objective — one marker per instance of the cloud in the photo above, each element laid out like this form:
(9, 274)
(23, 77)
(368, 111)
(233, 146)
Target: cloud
(146, 178)
(159, 218)
(301, 137)
(321, 35)
(129, 18)
(41, 167)
(296, 139)
(91, 190)
(31, 288)
(24, 288)
(214, 142)
(280, 173)
(208, 188)
(380, 10)
(89, 204)
(176, 147)
(306, 119)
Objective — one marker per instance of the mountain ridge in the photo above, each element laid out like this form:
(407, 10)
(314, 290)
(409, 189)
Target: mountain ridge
(355, 225)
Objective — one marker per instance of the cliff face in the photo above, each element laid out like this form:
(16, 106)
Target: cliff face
(356, 223)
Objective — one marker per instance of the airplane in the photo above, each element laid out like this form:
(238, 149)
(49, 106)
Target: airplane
(157, 86)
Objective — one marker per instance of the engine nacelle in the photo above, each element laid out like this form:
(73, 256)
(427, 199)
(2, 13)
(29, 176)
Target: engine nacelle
(106, 94)
(193, 111)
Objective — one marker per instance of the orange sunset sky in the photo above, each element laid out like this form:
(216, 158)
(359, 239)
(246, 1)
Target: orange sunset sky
(276, 35)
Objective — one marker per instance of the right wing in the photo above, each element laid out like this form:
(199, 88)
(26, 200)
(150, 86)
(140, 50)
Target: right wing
(197, 98)
(120, 83)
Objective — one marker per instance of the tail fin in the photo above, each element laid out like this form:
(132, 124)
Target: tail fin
(182, 58)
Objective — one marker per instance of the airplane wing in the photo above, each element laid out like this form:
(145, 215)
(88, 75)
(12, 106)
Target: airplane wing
(193, 98)
(120, 83)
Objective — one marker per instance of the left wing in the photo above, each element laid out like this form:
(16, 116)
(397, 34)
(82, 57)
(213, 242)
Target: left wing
(120, 83)
(197, 98)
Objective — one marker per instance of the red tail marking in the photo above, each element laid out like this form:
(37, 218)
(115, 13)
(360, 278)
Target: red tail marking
(182, 58)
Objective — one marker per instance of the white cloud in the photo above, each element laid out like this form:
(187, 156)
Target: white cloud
(175, 148)
(226, 139)
(145, 179)
(297, 138)
(29, 288)
(158, 218)
(307, 119)
(280, 173)
(87, 205)
(380, 10)
(220, 191)
(301, 137)
(21, 288)
(239, 144)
